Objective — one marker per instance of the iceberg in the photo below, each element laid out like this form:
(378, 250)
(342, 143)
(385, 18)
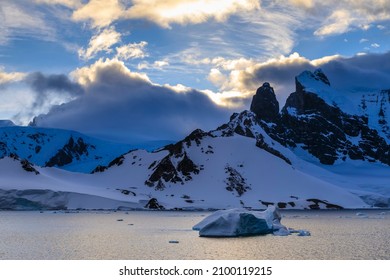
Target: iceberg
(241, 222)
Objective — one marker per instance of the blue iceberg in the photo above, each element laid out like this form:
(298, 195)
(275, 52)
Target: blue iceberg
(241, 222)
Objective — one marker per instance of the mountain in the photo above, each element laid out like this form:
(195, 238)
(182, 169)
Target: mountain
(317, 152)
(313, 122)
(5, 123)
(64, 149)
(205, 170)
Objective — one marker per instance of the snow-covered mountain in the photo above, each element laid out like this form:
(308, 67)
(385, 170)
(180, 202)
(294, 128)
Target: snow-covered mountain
(374, 105)
(206, 170)
(65, 149)
(315, 122)
(5, 123)
(314, 153)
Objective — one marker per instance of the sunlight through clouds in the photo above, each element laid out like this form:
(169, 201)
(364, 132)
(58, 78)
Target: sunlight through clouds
(165, 13)
(221, 49)
(337, 23)
(101, 13)
(10, 77)
(101, 42)
(131, 51)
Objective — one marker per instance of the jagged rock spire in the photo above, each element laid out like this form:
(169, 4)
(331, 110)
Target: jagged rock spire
(264, 103)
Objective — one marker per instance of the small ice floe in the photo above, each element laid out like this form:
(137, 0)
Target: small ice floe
(362, 215)
(173, 241)
(241, 222)
(300, 232)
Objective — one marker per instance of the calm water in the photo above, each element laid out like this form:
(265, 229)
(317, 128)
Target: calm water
(146, 235)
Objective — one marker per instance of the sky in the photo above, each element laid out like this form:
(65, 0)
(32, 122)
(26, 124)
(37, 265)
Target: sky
(146, 70)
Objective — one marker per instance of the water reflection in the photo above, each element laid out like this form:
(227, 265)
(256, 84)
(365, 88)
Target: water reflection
(146, 235)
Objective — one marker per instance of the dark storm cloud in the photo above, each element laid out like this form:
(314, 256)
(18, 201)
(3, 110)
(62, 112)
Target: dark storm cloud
(370, 71)
(126, 106)
(49, 87)
(360, 72)
(59, 83)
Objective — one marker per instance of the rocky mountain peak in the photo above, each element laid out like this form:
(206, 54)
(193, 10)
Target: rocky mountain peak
(320, 76)
(308, 79)
(264, 103)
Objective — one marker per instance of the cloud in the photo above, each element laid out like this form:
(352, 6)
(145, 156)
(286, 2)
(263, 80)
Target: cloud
(160, 63)
(217, 78)
(103, 71)
(131, 51)
(344, 16)
(102, 41)
(119, 104)
(166, 13)
(238, 82)
(363, 40)
(101, 13)
(10, 77)
(261, 36)
(307, 4)
(337, 23)
(59, 83)
(375, 45)
(157, 65)
(67, 3)
(45, 91)
(22, 20)
(29, 94)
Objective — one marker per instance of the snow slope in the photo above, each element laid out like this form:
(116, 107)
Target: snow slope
(233, 172)
(373, 104)
(66, 149)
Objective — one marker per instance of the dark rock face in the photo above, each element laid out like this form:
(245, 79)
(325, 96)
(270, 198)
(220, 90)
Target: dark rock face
(328, 133)
(323, 130)
(26, 165)
(263, 145)
(317, 202)
(154, 204)
(381, 102)
(235, 182)
(73, 149)
(264, 103)
(186, 166)
(117, 161)
(166, 171)
(176, 167)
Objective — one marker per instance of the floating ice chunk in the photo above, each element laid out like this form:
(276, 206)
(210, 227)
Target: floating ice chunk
(283, 231)
(362, 215)
(304, 233)
(300, 232)
(240, 222)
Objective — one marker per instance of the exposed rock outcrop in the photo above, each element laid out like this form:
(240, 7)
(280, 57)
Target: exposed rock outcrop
(309, 122)
(264, 103)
